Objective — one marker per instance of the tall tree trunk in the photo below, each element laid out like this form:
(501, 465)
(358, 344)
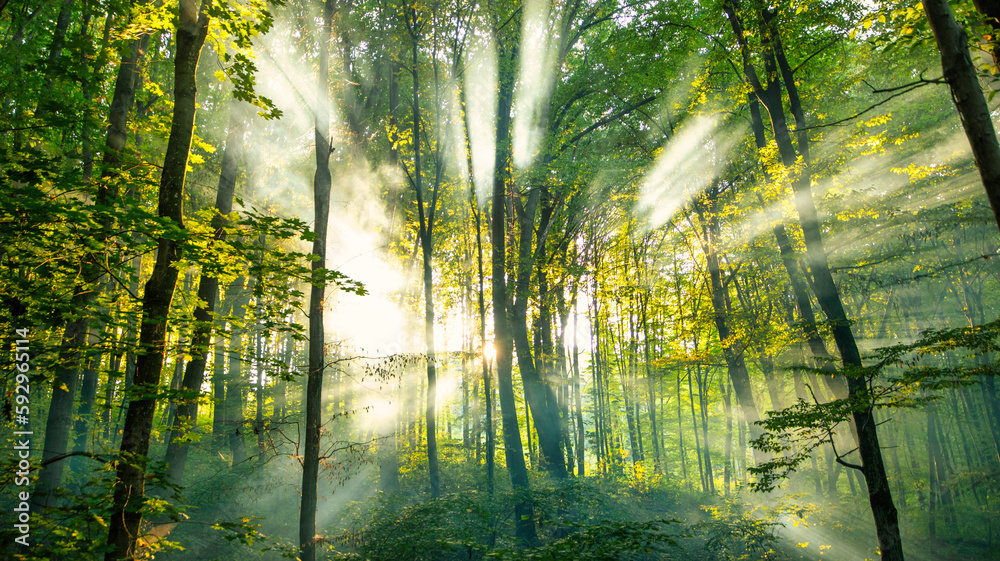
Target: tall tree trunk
(219, 420)
(78, 331)
(703, 407)
(803, 303)
(962, 77)
(261, 358)
(186, 418)
(650, 385)
(88, 396)
(487, 378)
(280, 394)
(240, 291)
(177, 374)
(578, 400)
(624, 378)
(694, 426)
(537, 393)
(524, 521)
(728, 402)
(317, 336)
(113, 374)
(55, 50)
(599, 428)
(732, 347)
(932, 477)
(426, 232)
(872, 464)
(680, 425)
(126, 510)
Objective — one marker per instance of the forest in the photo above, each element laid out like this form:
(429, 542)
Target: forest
(499, 280)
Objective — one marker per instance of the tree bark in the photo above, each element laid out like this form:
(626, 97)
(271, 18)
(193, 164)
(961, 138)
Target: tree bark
(426, 233)
(524, 522)
(956, 63)
(240, 291)
(487, 378)
(78, 332)
(539, 395)
(578, 401)
(650, 385)
(322, 182)
(127, 504)
(732, 347)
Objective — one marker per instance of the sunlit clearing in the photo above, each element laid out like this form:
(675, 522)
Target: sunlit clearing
(480, 112)
(538, 53)
(689, 162)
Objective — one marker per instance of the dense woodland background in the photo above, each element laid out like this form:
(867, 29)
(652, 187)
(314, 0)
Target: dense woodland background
(441, 279)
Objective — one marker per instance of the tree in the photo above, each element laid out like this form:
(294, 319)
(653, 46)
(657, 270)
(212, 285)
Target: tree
(208, 293)
(317, 334)
(425, 226)
(963, 80)
(192, 28)
(872, 466)
(79, 335)
(503, 339)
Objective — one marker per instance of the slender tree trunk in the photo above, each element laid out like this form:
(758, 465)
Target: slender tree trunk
(186, 418)
(537, 393)
(88, 396)
(55, 50)
(624, 378)
(219, 383)
(241, 290)
(697, 438)
(578, 401)
(650, 384)
(126, 510)
(487, 378)
(524, 522)
(872, 464)
(317, 337)
(77, 331)
(803, 303)
(427, 246)
(732, 347)
(932, 477)
(279, 397)
(680, 434)
(703, 407)
(728, 402)
(261, 359)
(113, 374)
(177, 374)
(600, 431)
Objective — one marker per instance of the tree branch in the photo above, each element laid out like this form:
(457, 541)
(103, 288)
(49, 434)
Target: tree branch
(900, 90)
(612, 117)
(60, 457)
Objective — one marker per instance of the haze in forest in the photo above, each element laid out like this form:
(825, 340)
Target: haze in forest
(499, 280)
